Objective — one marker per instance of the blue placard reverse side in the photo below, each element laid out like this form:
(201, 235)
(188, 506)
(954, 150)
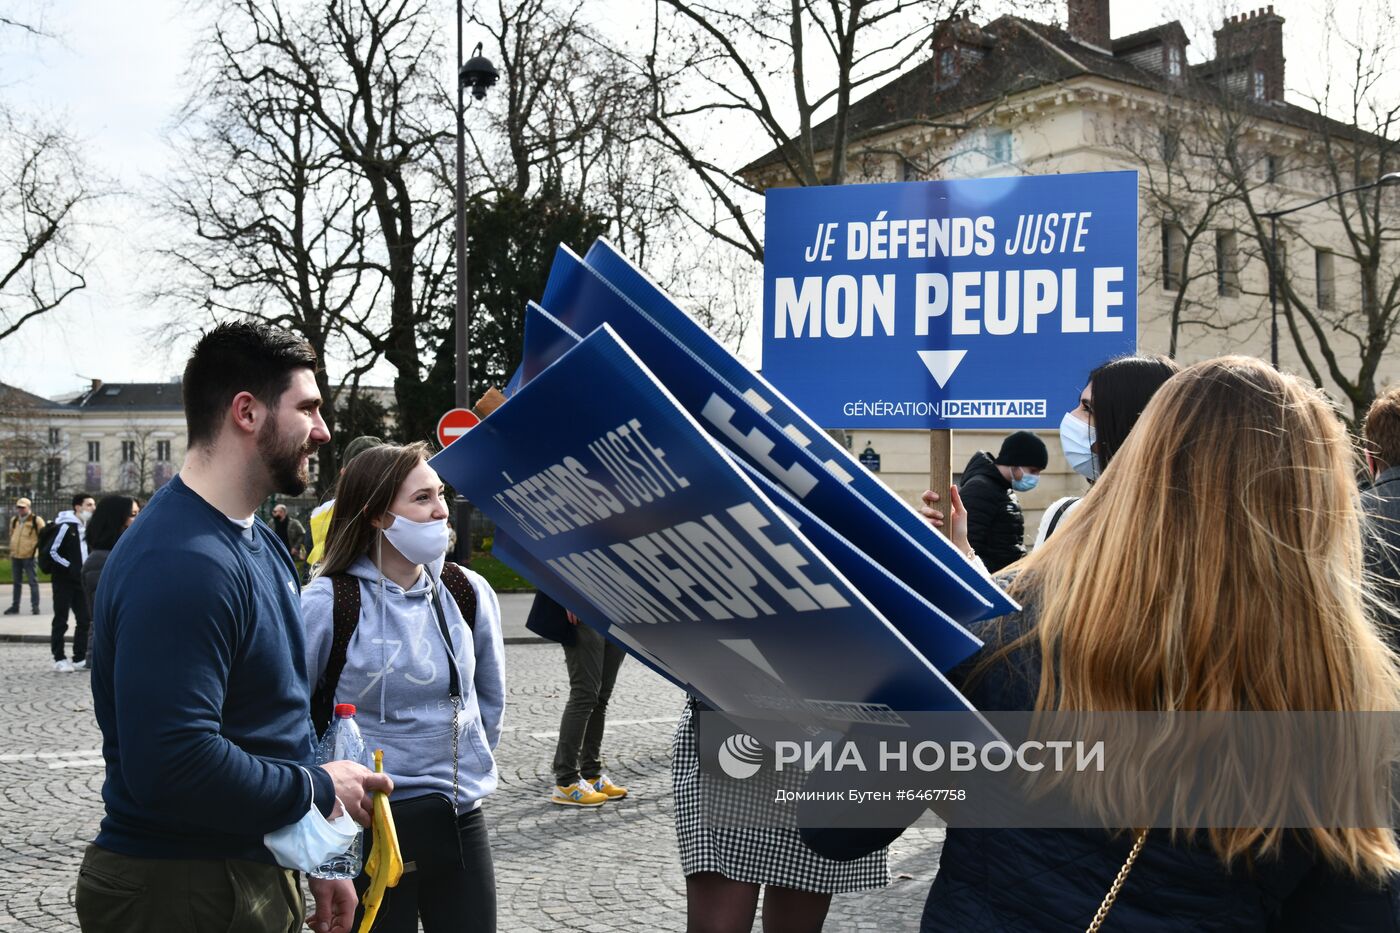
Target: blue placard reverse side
(948, 304)
(630, 513)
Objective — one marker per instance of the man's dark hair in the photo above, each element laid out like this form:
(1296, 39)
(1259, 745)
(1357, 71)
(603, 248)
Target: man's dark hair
(238, 357)
(80, 497)
(1382, 429)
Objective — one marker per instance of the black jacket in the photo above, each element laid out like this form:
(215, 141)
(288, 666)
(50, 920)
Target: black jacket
(1382, 505)
(92, 573)
(1052, 881)
(995, 527)
(67, 548)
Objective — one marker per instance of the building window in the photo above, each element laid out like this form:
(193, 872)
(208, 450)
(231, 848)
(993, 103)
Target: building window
(1271, 168)
(1367, 296)
(947, 65)
(55, 437)
(999, 145)
(128, 451)
(1171, 146)
(1227, 278)
(1326, 280)
(94, 452)
(1173, 256)
(163, 451)
(53, 475)
(1258, 89)
(1174, 61)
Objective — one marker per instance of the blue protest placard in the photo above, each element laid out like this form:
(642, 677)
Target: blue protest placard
(582, 299)
(948, 304)
(632, 513)
(866, 499)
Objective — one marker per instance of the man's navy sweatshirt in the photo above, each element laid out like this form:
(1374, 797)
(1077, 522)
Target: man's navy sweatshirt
(199, 684)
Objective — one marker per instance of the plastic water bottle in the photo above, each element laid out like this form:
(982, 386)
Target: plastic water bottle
(342, 742)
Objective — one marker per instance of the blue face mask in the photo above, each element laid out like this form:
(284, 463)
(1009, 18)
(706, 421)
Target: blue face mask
(1026, 483)
(1077, 441)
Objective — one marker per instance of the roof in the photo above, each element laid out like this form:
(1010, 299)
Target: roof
(122, 396)
(13, 395)
(1137, 40)
(1027, 56)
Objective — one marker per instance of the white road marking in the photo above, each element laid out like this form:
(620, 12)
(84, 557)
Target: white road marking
(611, 723)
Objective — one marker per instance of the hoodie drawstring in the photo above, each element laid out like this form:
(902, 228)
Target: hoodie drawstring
(383, 630)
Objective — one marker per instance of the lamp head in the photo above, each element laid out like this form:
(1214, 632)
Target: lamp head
(478, 74)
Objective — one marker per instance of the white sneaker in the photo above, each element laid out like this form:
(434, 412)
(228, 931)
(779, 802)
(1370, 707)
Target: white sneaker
(63, 667)
(80, 665)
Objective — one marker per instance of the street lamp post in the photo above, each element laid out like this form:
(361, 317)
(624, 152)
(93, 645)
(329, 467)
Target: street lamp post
(475, 75)
(1275, 282)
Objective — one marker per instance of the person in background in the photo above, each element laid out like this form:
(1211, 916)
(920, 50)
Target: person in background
(592, 662)
(67, 551)
(290, 532)
(320, 519)
(1093, 431)
(25, 527)
(1381, 503)
(113, 516)
(199, 685)
(996, 528)
(435, 706)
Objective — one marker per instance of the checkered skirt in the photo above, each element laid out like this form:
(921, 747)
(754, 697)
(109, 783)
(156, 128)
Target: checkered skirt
(758, 855)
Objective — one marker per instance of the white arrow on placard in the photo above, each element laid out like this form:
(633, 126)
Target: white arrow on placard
(941, 363)
(747, 650)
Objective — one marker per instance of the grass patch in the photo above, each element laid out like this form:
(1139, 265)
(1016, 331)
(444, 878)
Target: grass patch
(501, 577)
(7, 574)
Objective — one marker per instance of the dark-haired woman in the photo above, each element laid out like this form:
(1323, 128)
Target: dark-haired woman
(423, 663)
(1093, 431)
(113, 515)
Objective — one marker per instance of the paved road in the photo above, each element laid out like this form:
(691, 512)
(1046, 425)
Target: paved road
(50, 804)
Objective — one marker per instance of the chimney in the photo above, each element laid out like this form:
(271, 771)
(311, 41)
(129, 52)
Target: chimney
(96, 385)
(1257, 39)
(1088, 22)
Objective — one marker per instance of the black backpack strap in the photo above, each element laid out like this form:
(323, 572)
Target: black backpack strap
(460, 586)
(1055, 519)
(345, 617)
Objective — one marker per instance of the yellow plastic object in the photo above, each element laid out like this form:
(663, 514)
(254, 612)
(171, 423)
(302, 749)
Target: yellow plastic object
(385, 862)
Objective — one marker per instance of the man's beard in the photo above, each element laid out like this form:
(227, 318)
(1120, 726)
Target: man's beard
(284, 460)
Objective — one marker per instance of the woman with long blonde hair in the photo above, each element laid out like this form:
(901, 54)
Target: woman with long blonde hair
(1216, 566)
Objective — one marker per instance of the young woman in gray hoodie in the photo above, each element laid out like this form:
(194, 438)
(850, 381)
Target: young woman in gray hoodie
(387, 541)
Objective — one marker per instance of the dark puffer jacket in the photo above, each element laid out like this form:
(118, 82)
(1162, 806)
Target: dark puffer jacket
(1052, 881)
(995, 527)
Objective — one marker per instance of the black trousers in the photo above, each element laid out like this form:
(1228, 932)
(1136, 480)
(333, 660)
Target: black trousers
(68, 593)
(592, 662)
(449, 900)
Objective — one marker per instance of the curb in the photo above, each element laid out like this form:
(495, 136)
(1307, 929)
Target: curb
(14, 638)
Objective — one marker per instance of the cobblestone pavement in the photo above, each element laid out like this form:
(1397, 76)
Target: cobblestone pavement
(51, 782)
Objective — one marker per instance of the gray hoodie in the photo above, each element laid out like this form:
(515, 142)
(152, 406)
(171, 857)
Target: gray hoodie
(396, 674)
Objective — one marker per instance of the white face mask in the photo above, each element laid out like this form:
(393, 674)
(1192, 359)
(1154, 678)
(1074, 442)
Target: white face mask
(420, 542)
(311, 841)
(1077, 441)
(84, 515)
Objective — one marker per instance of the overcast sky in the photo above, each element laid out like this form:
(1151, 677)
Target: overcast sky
(115, 74)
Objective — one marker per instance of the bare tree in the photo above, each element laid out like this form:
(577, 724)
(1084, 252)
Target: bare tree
(274, 225)
(1184, 151)
(365, 73)
(1341, 298)
(44, 188)
(757, 62)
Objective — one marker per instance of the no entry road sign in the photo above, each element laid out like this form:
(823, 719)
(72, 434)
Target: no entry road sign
(454, 424)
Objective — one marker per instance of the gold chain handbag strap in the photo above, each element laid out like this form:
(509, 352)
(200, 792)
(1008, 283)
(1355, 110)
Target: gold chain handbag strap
(1117, 885)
